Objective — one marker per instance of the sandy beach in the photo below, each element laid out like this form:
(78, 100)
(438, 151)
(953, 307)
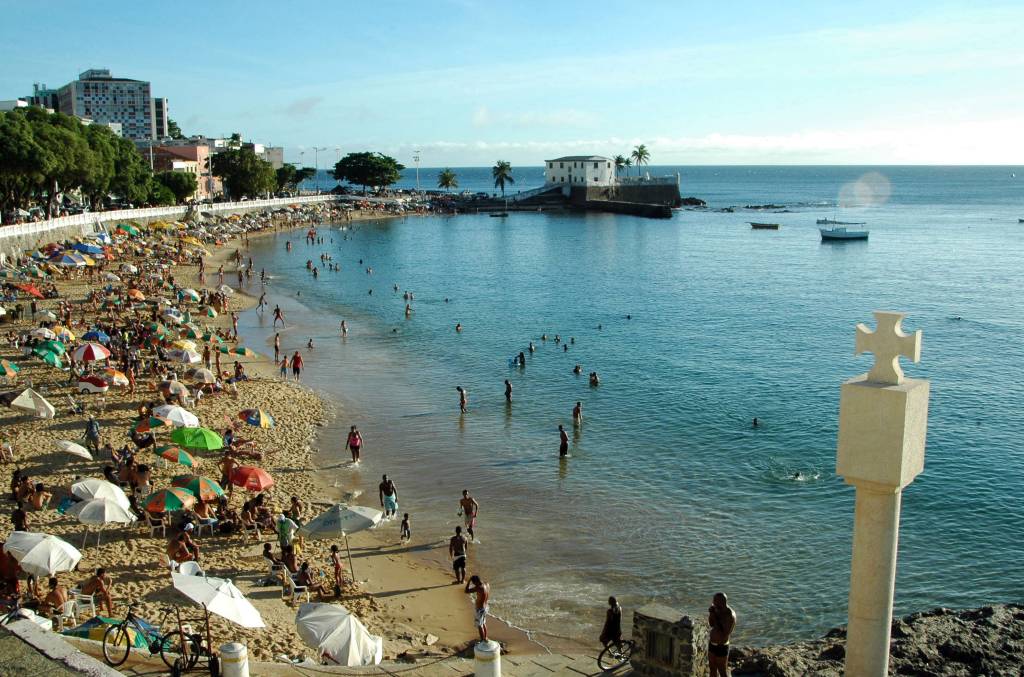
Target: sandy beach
(397, 595)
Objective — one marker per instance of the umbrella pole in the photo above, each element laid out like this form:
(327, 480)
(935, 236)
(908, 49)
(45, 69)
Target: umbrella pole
(351, 569)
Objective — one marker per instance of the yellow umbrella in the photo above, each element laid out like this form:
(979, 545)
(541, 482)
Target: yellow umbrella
(64, 334)
(185, 344)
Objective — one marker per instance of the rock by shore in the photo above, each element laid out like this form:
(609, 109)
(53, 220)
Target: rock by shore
(941, 642)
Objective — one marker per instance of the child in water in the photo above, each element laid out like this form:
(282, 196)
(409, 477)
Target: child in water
(406, 531)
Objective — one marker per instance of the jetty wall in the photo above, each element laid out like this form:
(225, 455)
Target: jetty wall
(652, 193)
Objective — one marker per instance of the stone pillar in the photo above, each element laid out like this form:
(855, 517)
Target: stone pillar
(883, 419)
(668, 643)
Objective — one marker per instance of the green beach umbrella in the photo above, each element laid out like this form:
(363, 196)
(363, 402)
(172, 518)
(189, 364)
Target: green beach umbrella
(203, 487)
(197, 438)
(53, 347)
(178, 455)
(167, 500)
(9, 368)
(157, 328)
(49, 358)
(128, 228)
(239, 350)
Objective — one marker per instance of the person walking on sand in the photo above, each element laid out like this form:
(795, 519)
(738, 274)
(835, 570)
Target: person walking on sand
(354, 443)
(611, 632)
(388, 497)
(463, 398)
(284, 368)
(468, 509)
(278, 315)
(563, 442)
(458, 546)
(296, 365)
(722, 621)
(482, 590)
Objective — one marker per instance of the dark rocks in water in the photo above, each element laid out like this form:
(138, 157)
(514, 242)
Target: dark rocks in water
(692, 202)
(941, 642)
(768, 206)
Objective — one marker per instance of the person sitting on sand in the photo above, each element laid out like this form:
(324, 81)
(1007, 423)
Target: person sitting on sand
(100, 585)
(308, 578)
(55, 599)
(178, 551)
(40, 497)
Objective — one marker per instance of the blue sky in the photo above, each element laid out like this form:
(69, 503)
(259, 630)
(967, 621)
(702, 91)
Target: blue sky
(470, 82)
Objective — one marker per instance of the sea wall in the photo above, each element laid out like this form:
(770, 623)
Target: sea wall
(644, 193)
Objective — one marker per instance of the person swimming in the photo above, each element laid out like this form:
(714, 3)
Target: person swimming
(533, 348)
(458, 326)
(577, 369)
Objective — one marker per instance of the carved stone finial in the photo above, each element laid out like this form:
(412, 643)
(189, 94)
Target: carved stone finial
(887, 343)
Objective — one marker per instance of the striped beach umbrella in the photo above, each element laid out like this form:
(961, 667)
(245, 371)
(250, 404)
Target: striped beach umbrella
(204, 488)
(257, 418)
(178, 455)
(197, 438)
(151, 423)
(9, 369)
(49, 358)
(166, 500)
(116, 377)
(251, 478)
(238, 350)
(90, 352)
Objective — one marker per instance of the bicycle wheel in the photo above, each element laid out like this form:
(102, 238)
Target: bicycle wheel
(116, 644)
(614, 657)
(170, 650)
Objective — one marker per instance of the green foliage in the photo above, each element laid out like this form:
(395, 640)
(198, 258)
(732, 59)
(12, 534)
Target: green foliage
(446, 179)
(502, 173)
(640, 156)
(368, 169)
(289, 176)
(159, 194)
(174, 130)
(243, 173)
(182, 184)
(620, 163)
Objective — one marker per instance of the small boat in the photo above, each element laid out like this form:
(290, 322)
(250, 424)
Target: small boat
(840, 233)
(833, 222)
(763, 226)
(1020, 220)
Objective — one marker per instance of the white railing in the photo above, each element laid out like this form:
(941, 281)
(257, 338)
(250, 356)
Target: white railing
(647, 180)
(122, 215)
(533, 192)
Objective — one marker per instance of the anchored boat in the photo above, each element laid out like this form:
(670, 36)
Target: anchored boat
(763, 226)
(841, 233)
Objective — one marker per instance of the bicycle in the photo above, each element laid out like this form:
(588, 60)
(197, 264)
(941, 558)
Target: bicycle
(178, 649)
(615, 655)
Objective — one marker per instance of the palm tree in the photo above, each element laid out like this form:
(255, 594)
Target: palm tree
(502, 173)
(620, 163)
(640, 156)
(446, 179)
(627, 163)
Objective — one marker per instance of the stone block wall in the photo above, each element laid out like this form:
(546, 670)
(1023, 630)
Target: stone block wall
(668, 643)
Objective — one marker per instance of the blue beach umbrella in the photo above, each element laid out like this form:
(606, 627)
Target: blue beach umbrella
(88, 248)
(97, 336)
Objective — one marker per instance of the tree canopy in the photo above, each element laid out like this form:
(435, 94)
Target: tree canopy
(173, 130)
(640, 156)
(182, 184)
(446, 179)
(243, 173)
(502, 173)
(368, 170)
(289, 176)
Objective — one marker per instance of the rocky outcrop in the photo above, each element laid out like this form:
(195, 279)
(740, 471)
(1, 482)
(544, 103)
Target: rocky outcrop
(692, 202)
(942, 642)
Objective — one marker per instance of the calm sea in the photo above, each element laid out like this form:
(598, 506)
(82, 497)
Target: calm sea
(670, 494)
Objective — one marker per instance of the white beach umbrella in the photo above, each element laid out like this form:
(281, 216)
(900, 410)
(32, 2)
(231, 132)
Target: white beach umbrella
(41, 554)
(128, 268)
(184, 356)
(220, 597)
(44, 333)
(333, 631)
(95, 487)
(111, 277)
(339, 521)
(178, 416)
(100, 512)
(34, 403)
(226, 290)
(48, 315)
(73, 448)
(204, 376)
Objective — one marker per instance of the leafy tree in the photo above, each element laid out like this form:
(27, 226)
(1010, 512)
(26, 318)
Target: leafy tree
(243, 173)
(159, 194)
(289, 176)
(640, 156)
(368, 169)
(131, 172)
(627, 164)
(182, 184)
(235, 141)
(446, 179)
(22, 161)
(502, 173)
(174, 130)
(97, 185)
(69, 162)
(620, 164)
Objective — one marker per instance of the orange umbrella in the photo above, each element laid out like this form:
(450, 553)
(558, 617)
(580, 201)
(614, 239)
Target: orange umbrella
(251, 478)
(167, 500)
(31, 289)
(136, 294)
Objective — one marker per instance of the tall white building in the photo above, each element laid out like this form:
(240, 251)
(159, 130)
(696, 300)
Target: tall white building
(580, 170)
(97, 95)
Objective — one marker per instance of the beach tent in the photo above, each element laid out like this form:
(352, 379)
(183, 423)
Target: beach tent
(340, 520)
(338, 635)
(94, 487)
(219, 596)
(41, 554)
(34, 403)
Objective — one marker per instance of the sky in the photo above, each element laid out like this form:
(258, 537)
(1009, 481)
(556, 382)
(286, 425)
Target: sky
(469, 82)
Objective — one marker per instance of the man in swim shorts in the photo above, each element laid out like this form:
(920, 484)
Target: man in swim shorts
(458, 546)
(388, 497)
(482, 590)
(722, 621)
(468, 508)
(563, 442)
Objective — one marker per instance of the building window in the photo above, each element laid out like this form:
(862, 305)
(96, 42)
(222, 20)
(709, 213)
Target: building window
(561, 179)
(561, 165)
(595, 179)
(551, 165)
(595, 165)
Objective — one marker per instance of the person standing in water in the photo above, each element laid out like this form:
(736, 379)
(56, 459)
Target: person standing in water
(722, 621)
(388, 497)
(508, 390)
(354, 443)
(463, 398)
(577, 414)
(344, 328)
(468, 508)
(563, 442)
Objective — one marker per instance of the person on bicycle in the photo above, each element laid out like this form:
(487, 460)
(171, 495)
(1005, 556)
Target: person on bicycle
(611, 633)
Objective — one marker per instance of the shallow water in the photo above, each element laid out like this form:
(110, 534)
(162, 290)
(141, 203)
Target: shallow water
(670, 494)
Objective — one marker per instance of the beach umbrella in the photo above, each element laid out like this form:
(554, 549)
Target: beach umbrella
(184, 356)
(41, 554)
(178, 416)
(73, 448)
(69, 260)
(87, 248)
(257, 418)
(43, 333)
(34, 403)
(90, 352)
(226, 290)
(210, 312)
(9, 369)
(64, 334)
(116, 377)
(97, 336)
(184, 344)
(52, 359)
(52, 346)
(178, 455)
(204, 376)
(336, 633)
(190, 294)
(100, 511)
(197, 438)
(48, 315)
(31, 290)
(129, 268)
(239, 350)
(339, 521)
(173, 388)
(95, 487)
(136, 295)
(111, 277)
(204, 488)
(151, 423)
(219, 596)
(157, 328)
(167, 500)
(251, 478)
(3, 311)
(128, 229)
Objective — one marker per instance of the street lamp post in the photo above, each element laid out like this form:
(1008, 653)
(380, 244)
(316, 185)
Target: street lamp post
(416, 159)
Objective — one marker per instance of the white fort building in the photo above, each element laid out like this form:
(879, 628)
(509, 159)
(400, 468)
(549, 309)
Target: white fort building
(580, 170)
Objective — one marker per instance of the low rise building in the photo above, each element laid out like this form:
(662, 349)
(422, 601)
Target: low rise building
(580, 170)
(193, 159)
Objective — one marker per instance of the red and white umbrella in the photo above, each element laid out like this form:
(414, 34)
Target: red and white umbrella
(91, 352)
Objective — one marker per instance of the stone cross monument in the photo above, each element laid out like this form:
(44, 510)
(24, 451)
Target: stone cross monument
(883, 417)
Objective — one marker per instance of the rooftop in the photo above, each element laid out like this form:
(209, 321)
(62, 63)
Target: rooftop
(581, 158)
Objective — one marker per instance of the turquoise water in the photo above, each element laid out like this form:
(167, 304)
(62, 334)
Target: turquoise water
(670, 494)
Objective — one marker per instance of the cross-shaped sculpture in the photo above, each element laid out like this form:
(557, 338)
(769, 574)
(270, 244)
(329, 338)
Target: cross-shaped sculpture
(887, 343)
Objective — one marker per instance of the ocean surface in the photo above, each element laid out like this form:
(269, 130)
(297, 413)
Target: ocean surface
(670, 494)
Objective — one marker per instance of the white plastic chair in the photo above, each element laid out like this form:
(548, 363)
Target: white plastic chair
(203, 524)
(85, 603)
(292, 590)
(67, 611)
(191, 569)
(157, 525)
